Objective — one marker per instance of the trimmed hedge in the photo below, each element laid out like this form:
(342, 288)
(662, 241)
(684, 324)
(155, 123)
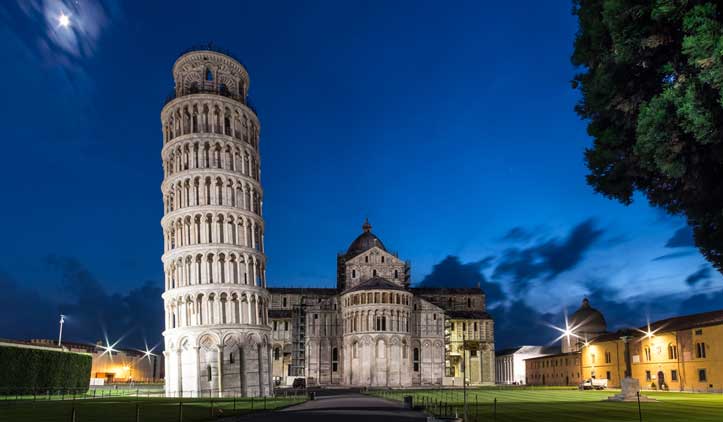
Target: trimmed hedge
(25, 370)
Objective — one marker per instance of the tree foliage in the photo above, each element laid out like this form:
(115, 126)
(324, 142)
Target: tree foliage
(652, 91)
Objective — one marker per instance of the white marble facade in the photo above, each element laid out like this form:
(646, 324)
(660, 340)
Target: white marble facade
(373, 329)
(217, 336)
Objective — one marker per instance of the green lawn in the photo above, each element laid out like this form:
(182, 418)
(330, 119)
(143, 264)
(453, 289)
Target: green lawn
(564, 404)
(124, 409)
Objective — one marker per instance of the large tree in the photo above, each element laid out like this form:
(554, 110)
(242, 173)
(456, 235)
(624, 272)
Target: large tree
(651, 79)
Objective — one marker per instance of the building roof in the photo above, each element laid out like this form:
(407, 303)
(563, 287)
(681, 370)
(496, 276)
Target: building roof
(556, 355)
(468, 314)
(588, 319)
(375, 283)
(446, 290)
(364, 242)
(537, 350)
(685, 322)
(312, 291)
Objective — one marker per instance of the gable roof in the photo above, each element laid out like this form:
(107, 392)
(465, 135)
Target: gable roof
(375, 283)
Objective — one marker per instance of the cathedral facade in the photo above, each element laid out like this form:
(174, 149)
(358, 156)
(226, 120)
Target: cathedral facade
(375, 330)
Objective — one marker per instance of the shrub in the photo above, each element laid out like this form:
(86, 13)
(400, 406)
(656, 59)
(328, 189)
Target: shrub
(23, 370)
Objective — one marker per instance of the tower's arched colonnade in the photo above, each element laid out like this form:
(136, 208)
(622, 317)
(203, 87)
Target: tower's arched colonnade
(217, 336)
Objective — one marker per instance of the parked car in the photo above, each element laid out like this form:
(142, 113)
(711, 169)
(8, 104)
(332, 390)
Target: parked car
(299, 383)
(594, 384)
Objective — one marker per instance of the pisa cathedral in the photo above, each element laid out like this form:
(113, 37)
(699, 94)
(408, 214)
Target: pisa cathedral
(226, 332)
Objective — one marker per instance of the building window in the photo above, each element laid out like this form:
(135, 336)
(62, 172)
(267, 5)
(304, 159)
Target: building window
(674, 375)
(647, 353)
(608, 357)
(208, 370)
(366, 259)
(334, 359)
(355, 350)
(451, 326)
(209, 75)
(607, 375)
(284, 301)
(698, 332)
(469, 302)
(464, 326)
(374, 273)
(702, 375)
(353, 273)
(381, 323)
(672, 351)
(434, 317)
(396, 273)
(231, 358)
(286, 325)
(276, 325)
(277, 353)
(700, 350)
(382, 259)
(415, 359)
(475, 327)
(647, 376)
(473, 353)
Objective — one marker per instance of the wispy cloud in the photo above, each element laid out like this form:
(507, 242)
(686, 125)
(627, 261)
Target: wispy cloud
(702, 275)
(682, 238)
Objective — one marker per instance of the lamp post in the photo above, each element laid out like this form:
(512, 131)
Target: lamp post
(60, 334)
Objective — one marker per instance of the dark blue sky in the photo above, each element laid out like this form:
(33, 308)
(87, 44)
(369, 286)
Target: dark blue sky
(452, 128)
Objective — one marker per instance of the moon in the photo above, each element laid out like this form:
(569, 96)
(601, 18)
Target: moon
(63, 20)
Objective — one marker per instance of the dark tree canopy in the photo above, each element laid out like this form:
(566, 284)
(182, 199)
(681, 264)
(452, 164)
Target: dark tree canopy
(652, 91)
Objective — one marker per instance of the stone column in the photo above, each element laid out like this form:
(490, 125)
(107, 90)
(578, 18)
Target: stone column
(220, 370)
(198, 368)
(180, 372)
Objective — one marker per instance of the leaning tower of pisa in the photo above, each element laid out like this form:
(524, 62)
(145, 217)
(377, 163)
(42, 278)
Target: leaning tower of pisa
(215, 299)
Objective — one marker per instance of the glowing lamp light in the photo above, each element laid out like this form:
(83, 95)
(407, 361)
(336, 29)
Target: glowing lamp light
(108, 348)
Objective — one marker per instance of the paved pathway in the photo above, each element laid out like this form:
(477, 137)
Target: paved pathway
(344, 406)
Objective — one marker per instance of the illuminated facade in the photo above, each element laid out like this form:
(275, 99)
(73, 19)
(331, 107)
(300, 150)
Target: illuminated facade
(373, 329)
(559, 369)
(678, 354)
(217, 336)
(510, 365)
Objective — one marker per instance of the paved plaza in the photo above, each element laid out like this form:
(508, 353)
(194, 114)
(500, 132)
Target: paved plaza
(342, 405)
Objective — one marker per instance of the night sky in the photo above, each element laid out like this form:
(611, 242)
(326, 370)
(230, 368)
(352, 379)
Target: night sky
(452, 128)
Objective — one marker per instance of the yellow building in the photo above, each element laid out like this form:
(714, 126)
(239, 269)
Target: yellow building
(469, 348)
(679, 354)
(557, 369)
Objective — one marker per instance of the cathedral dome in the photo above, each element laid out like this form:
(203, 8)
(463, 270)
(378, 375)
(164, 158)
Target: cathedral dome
(588, 320)
(364, 241)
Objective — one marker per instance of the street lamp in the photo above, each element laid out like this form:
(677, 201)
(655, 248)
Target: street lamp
(60, 334)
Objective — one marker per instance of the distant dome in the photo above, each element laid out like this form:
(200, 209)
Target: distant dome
(364, 242)
(588, 320)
